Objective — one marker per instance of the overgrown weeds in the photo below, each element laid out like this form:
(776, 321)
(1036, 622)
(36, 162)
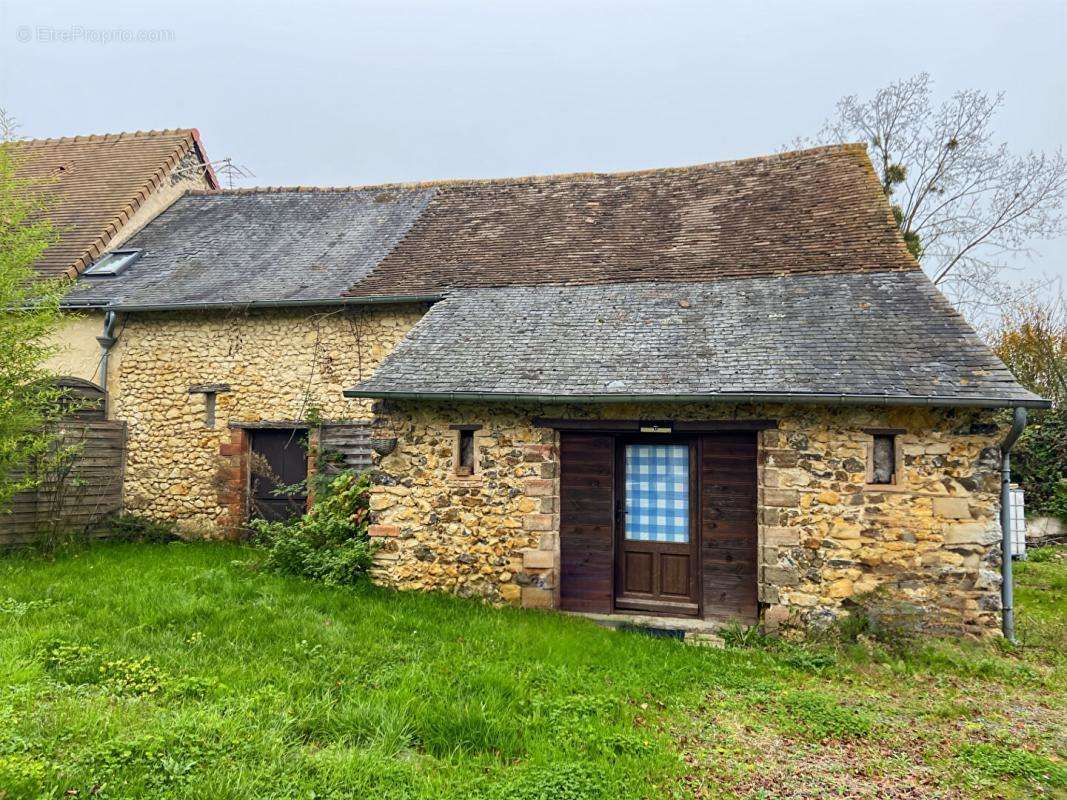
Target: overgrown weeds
(328, 544)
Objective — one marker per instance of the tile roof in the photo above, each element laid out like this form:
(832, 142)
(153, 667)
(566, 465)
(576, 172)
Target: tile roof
(98, 182)
(877, 336)
(818, 210)
(246, 247)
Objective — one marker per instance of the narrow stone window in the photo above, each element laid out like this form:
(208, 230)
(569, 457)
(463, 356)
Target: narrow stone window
(209, 409)
(211, 391)
(465, 462)
(883, 459)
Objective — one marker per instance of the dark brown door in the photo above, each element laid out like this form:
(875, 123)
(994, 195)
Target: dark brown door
(279, 470)
(586, 521)
(657, 536)
(728, 525)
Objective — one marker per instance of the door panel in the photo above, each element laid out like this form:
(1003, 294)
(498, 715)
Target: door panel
(638, 572)
(279, 459)
(728, 525)
(657, 535)
(675, 575)
(586, 521)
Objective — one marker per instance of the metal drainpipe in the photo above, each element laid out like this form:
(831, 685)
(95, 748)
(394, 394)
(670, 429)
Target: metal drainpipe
(107, 341)
(1006, 589)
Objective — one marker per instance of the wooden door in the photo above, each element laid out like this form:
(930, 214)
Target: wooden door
(279, 461)
(657, 536)
(728, 527)
(586, 521)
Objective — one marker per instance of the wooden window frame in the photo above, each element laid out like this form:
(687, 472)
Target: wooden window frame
(459, 470)
(898, 483)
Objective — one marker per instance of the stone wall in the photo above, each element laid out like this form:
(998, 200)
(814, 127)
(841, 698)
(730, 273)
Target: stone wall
(825, 537)
(283, 365)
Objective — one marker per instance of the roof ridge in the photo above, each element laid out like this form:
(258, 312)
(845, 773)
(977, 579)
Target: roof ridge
(109, 137)
(847, 147)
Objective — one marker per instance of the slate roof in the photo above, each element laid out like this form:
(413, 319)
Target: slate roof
(246, 247)
(817, 210)
(885, 337)
(97, 183)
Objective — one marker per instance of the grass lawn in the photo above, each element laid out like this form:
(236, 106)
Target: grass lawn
(175, 671)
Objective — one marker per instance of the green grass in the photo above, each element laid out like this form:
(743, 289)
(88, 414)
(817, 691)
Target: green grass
(176, 671)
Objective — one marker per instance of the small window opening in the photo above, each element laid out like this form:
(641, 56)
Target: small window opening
(883, 459)
(465, 453)
(209, 409)
(113, 263)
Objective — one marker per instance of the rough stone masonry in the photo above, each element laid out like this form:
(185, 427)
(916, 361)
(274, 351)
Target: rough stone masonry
(826, 537)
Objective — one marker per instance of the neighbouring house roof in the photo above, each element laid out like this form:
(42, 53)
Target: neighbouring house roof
(97, 183)
(247, 247)
(878, 337)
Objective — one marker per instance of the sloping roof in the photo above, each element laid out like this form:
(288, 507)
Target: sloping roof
(98, 182)
(247, 247)
(880, 337)
(779, 277)
(818, 210)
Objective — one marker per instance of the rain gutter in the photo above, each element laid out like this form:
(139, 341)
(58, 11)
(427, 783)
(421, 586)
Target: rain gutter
(1006, 587)
(232, 305)
(729, 397)
(107, 340)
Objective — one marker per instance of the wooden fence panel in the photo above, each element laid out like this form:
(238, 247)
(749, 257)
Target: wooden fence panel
(80, 492)
(351, 440)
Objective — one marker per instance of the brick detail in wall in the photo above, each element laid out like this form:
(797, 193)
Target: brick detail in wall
(232, 481)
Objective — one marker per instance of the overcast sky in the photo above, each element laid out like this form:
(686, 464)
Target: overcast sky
(332, 94)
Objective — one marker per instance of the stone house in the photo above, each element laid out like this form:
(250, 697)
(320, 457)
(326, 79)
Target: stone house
(715, 392)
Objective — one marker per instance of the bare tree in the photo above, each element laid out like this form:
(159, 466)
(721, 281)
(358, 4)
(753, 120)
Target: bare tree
(8, 127)
(965, 204)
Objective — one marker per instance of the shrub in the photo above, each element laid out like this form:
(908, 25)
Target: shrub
(1039, 463)
(330, 542)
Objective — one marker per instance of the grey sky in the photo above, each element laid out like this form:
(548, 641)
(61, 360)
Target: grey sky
(325, 93)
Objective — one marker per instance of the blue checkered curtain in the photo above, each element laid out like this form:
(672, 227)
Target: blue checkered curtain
(657, 493)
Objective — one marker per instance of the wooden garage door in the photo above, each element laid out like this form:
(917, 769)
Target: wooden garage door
(587, 521)
(728, 525)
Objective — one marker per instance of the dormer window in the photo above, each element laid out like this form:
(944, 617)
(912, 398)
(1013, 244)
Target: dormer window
(113, 263)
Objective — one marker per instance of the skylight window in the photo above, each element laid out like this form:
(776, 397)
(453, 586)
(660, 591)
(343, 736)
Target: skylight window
(113, 263)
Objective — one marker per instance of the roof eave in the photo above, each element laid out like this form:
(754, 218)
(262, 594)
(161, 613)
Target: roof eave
(806, 398)
(127, 308)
